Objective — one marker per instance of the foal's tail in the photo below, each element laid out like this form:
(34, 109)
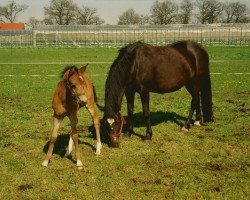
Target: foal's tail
(206, 99)
(101, 108)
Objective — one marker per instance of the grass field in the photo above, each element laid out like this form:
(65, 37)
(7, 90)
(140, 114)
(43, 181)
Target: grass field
(210, 162)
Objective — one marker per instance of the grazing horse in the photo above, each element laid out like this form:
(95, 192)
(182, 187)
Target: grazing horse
(143, 68)
(74, 91)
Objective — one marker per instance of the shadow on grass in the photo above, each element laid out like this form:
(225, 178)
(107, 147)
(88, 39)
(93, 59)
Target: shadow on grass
(62, 142)
(156, 118)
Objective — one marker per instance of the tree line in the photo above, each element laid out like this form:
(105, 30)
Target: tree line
(67, 12)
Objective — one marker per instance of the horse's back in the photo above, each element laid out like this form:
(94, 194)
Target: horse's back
(161, 69)
(194, 53)
(167, 68)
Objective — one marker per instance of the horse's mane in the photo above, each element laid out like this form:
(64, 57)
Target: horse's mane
(66, 69)
(119, 74)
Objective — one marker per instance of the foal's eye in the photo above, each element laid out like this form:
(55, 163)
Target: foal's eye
(72, 86)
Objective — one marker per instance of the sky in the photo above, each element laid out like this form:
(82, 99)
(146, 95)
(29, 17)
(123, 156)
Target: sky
(109, 10)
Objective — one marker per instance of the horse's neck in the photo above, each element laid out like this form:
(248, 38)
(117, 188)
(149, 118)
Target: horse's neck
(115, 94)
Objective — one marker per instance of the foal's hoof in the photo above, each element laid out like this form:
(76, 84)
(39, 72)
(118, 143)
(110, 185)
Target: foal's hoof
(45, 163)
(183, 129)
(98, 148)
(79, 165)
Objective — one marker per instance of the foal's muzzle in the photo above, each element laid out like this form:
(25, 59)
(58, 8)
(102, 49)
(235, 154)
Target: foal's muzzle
(81, 103)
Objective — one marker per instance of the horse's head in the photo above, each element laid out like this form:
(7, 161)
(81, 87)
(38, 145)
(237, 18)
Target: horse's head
(114, 128)
(74, 80)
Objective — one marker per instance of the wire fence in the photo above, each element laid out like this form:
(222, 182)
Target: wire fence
(116, 36)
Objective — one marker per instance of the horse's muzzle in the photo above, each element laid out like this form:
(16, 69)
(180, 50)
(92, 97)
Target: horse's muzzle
(113, 144)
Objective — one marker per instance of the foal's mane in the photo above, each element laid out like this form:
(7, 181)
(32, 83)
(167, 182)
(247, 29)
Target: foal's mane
(66, 69)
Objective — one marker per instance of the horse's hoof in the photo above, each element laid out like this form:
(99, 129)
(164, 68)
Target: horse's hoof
(127, 134)
(146, 138)
(184, 129)
(45, 163)
(197, 123)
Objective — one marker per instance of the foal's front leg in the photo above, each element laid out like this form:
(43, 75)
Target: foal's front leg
(54, 134)
(96, 121)
(146, 113)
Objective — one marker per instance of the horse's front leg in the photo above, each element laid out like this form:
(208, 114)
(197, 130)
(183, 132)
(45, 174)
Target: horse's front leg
(54, 134)
(146, 113)
(130, 96)
(74, 136)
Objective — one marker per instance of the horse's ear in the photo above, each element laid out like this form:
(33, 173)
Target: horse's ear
(83, 68)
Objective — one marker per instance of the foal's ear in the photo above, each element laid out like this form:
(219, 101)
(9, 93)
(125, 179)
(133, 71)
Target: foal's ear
(67, 74)
(83, 68)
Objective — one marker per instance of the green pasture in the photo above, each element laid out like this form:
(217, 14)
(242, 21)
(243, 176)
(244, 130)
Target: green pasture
(210, 162)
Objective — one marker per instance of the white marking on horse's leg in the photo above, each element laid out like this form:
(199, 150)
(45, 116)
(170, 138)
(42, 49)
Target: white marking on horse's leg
(98, 148)
(197, 123)
(45, 163)
(79, 164)
(184, 129)
(70, 147)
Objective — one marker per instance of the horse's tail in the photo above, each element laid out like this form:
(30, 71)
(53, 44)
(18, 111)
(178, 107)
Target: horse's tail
(206, 99)
(101, 108)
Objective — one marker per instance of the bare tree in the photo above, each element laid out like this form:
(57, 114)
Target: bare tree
(209, 11)
(87, 16)
(164, 12)
(129, 17)
(9, 13)
(62, 12)
(235, 12)
(186, 8)
(32, 22)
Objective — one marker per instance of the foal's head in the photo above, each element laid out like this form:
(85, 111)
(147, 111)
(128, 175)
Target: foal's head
(74, 81)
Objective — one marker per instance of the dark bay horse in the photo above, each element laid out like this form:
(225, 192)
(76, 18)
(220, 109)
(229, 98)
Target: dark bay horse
(143, 68)
(74, 91)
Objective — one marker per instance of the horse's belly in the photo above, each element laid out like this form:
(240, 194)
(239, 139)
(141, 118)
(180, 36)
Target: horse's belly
(165, 86)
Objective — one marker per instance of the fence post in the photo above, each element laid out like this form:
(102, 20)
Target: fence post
(34, 38)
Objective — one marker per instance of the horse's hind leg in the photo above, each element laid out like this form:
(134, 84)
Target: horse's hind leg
(195, 106)
(54, 134)
(74, 136)
(198, 112)
(146, 113)
(96, 121)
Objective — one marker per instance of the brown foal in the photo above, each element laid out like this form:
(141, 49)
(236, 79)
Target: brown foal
(74, 91)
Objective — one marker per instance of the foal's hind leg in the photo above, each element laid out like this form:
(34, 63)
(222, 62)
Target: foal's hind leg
(96, 121)
(74, 136)
(70, 147)
(54, 134)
